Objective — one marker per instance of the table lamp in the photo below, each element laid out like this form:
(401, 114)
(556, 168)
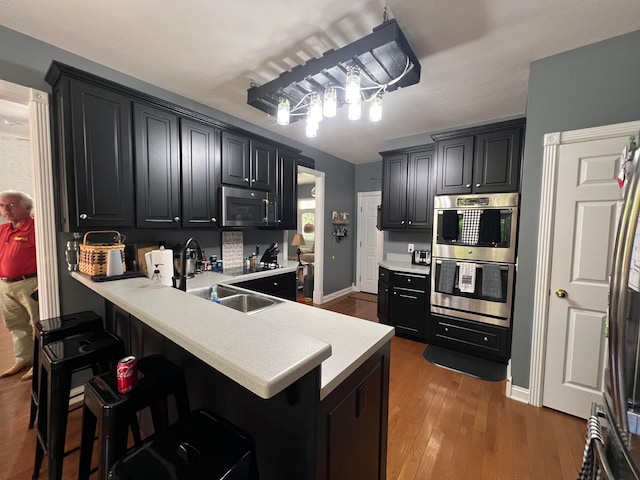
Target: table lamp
(298, 240)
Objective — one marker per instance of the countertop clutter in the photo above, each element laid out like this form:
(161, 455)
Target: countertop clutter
(264, 352)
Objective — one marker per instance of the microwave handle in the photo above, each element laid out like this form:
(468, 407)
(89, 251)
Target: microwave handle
(266, 209)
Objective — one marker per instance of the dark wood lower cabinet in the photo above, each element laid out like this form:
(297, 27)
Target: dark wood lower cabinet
(296, 434)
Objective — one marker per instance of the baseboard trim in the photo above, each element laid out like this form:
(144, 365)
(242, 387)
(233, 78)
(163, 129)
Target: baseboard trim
(518, 394)
(339, 293)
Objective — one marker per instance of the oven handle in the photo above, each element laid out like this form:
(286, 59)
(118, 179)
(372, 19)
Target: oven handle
(479, 264)
(441, 210)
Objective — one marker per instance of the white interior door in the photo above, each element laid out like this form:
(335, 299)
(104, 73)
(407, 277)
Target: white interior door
(586, 198)
(369, 242)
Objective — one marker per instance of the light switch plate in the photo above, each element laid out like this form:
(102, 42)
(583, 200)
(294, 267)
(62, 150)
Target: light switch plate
(411, 248)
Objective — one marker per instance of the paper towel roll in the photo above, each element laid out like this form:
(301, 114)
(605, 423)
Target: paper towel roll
(163, 261)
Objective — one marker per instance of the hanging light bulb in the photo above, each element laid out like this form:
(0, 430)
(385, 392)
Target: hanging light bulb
(375, 109)
(315, 107)
(330, 104)
(312, 126)
(283, 112)
(352, 86)
(355, 111)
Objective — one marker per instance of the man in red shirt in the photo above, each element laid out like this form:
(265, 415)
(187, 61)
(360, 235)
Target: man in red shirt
(18, 280)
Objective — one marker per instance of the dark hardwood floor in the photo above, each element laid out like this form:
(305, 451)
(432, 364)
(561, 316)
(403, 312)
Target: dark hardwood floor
(442, 424)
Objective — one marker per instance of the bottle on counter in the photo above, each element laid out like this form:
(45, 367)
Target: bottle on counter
(254, 262)
(72, 252)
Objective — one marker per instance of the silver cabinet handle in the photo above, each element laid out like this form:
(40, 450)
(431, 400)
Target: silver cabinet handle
(468, 185)
(486, 339)
(176, 219)
(402, 222)
(446, 329)
(410, 222)
(275, 284)
(253, 180)
(246, 180)
(84, 216)
(213, 220)
(409, 296)
(477, 184)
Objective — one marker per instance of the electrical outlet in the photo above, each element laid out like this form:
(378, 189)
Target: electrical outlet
(411, 248)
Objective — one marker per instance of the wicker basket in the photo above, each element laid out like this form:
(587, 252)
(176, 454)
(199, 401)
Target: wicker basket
(93, 256)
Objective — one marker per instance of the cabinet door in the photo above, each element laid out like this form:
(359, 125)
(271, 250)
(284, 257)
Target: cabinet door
(236, 167)
(455, 163)
(407, 311)
(356, 422)
(497, 162)
(383, 302)
(287, 191)
(420, 190)
(394, 191)
(263, 166)
(102, 158)
(157, 167)
(200, 174)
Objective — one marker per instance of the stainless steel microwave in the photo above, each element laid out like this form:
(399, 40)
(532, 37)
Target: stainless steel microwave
(247, 208)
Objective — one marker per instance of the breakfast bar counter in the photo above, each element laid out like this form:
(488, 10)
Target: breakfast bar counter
(293, 376)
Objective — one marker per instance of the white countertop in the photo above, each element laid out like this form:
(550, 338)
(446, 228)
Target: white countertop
(266, 351)
(405, 267)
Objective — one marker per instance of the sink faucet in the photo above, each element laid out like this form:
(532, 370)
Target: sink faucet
(182, 274)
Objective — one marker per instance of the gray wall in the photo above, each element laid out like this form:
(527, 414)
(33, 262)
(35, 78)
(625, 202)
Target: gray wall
(591, 86)
(25, 60)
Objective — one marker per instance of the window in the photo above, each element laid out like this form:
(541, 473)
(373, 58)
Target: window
(307, 219)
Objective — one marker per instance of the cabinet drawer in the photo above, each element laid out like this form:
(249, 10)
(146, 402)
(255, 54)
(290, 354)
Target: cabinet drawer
(468, 335)
(409, 280)
(384, 275)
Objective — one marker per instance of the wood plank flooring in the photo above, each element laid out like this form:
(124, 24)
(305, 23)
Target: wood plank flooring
(442, 424)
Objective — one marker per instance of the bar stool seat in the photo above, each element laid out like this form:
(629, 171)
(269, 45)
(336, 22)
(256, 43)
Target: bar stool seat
(114, 412)
(58, 360)
(53, 330)
(198, 447)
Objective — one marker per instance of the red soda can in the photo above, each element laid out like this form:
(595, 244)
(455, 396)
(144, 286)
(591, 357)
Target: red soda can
(127, 374)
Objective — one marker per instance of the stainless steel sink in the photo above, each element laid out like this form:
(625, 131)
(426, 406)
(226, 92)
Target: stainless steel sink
(243, 301)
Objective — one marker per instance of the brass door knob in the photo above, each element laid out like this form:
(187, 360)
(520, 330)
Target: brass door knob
(560, 293)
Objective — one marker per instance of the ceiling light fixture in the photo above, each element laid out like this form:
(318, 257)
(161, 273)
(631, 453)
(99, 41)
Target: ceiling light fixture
(358, 73)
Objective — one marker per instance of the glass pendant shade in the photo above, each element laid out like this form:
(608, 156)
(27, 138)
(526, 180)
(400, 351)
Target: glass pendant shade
(355, 111)
(315, 108)
(375, 109)
(312, 127)
(283, 112)
(352, 87)
(330, 104)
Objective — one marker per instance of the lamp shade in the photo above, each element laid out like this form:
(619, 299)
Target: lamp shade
(297, 240)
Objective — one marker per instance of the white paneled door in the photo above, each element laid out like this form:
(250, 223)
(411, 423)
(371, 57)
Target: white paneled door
(586, 199)
(369, 241)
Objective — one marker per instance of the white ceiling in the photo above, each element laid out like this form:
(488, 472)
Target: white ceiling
(475, 54)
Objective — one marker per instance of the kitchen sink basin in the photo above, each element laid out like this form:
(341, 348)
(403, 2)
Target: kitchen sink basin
(240, 300)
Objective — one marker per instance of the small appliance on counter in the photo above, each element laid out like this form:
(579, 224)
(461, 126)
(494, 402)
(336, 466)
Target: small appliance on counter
(421, 257)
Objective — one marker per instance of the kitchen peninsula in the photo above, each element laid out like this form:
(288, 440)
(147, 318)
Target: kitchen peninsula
(308, 385)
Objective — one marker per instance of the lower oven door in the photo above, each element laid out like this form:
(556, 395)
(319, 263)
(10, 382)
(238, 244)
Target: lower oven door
(479, 291)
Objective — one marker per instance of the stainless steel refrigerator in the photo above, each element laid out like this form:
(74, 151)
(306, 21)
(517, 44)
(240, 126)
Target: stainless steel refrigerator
(613, 435)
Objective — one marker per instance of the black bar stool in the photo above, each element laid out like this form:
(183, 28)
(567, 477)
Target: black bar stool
(54, 330)
(200, 446)
(98, 350)
(114, 412)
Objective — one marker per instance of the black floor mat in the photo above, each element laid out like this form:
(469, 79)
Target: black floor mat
(467, 364)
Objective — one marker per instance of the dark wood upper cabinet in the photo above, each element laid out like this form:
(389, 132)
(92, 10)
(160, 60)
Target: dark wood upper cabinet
(497, 161)
(287, 190)
(92, 128)
(248, 163)
(455, 166)
(482, 159)
(200, 162)
(236, 159)
(157, 167)
(407, 189)
(263, 166)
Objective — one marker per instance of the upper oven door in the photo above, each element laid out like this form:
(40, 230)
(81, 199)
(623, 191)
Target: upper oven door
(476, 227)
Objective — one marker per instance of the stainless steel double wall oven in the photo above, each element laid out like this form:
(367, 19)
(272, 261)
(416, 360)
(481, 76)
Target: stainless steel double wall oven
(473, 257)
